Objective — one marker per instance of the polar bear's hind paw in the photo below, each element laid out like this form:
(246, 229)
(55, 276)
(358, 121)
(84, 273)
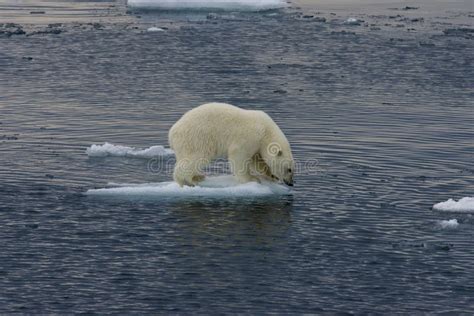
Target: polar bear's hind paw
(198, 178)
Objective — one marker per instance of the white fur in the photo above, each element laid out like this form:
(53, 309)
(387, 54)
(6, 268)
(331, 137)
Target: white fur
(247, 138)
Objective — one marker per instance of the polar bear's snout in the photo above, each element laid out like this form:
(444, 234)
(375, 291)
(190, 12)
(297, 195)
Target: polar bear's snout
(288, 179)
(289, 182)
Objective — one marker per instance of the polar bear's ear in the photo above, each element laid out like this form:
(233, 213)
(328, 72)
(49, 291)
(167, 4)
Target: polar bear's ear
(279, 153)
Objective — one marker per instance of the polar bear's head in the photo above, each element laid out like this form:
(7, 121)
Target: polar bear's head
(279, 159)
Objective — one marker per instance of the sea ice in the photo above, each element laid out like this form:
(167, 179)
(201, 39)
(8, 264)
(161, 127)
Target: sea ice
(352, 21)
(466, 204)
(155, 29)
(108, 149)
(219, 186)
(451, 223)
(233, 5)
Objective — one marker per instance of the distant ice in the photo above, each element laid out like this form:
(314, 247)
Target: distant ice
(219, 186)
(446, 224)
(108, 149)
(465, 204)
(155, 29)
(232, 5)
(352, 21)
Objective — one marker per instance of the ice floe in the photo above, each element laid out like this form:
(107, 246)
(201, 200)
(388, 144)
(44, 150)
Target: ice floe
(466, 204)
(228, 5)
(219, 186)
(108, 149)
(155, 29)
(352, 21)
(448, 224)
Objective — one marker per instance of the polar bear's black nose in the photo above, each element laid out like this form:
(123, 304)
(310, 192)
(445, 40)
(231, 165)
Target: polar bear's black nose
(288, 183)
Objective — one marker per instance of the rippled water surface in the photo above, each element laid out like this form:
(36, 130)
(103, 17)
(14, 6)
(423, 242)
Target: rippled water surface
(380, 121)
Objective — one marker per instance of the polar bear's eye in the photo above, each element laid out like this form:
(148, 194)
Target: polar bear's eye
(289, 170)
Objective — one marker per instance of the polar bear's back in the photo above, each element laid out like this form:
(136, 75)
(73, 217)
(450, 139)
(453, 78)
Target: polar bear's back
(213, 127)
(210, 112)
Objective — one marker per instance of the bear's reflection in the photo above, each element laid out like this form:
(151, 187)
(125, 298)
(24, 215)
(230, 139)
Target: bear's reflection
(232, 222)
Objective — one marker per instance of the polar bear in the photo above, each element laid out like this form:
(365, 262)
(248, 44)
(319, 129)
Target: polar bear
(252, 142)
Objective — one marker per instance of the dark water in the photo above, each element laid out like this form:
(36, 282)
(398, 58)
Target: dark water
(387, 116)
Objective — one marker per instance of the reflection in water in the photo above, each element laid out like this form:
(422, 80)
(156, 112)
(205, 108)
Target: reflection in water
(234, 223)
(228, 246)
